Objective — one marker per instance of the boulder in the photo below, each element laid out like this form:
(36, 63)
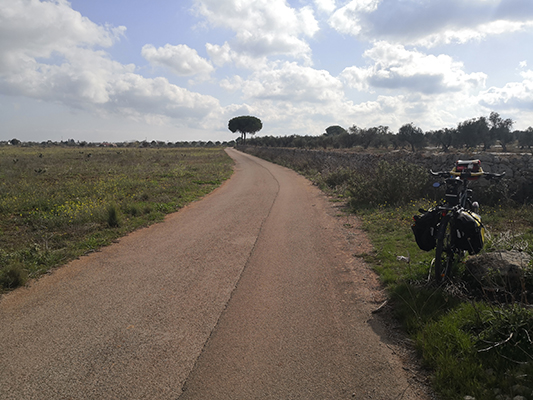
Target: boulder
(502, 275)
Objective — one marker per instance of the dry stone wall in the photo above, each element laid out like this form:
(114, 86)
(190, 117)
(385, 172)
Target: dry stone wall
(518, 167)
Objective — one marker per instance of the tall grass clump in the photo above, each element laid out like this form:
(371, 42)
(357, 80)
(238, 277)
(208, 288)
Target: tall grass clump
(13, 275)
(480, 350)
(112, 216)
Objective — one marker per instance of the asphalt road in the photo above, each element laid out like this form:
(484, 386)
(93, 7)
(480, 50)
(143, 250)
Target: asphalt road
(250, 293)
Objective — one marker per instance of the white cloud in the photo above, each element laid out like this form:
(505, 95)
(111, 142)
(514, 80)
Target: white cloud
(134, 95)
(79, 77)
(395, 67)
(180, 59)
(350, 18)
(433, 112)
(263, 27)
(429, 23)
(295, 98)
(289, 83)
(91, 81)
(327, 6)
(480, 32)
(34, 29)
(513, 96)
(357, 78)
(221, 55)
(49, 52)
(53, 54)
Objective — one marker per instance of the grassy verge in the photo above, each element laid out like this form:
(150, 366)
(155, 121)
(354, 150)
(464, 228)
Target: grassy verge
(475, 348)
(59, 203)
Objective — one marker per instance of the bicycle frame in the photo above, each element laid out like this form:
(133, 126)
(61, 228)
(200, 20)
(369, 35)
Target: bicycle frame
(465, 194)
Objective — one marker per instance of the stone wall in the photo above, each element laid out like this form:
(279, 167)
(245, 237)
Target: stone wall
(517, 167)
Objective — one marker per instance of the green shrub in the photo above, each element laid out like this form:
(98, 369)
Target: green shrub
(505, 336)
(147, 209)
(12, 276)
(388, 184)
(133, 210)
(340, 177)
(495, 193)
(112, 216)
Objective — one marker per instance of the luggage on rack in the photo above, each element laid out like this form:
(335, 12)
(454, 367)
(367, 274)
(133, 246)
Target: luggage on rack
(425, 229)
(467, 167)
(469, 232)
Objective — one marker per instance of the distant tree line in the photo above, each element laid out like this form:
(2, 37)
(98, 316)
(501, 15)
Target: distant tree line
(144, 143)
(484, 132)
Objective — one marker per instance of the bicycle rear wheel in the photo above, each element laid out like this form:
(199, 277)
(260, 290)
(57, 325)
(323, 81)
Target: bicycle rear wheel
(444, 254)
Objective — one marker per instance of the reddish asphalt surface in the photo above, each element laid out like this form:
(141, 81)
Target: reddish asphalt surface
(251, 293)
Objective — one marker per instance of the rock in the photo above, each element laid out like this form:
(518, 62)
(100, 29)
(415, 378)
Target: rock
(507, 264)
(516, 258)
(521, 390)
(502, 397)
(499, 273)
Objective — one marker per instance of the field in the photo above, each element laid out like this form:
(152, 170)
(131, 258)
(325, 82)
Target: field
(58, 203)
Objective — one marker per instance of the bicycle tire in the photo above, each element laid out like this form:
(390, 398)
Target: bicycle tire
(443, 254)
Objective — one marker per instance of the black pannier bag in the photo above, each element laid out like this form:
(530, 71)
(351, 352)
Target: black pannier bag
(425, 229)
(469, 232)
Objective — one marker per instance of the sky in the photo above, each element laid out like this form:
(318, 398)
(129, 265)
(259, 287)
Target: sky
(179, 70)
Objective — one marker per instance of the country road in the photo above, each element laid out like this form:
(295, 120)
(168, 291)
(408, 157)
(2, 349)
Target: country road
(251, 293)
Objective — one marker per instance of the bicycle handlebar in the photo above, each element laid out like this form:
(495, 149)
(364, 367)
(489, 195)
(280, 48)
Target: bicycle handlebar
(490, 175)
(486, 175)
